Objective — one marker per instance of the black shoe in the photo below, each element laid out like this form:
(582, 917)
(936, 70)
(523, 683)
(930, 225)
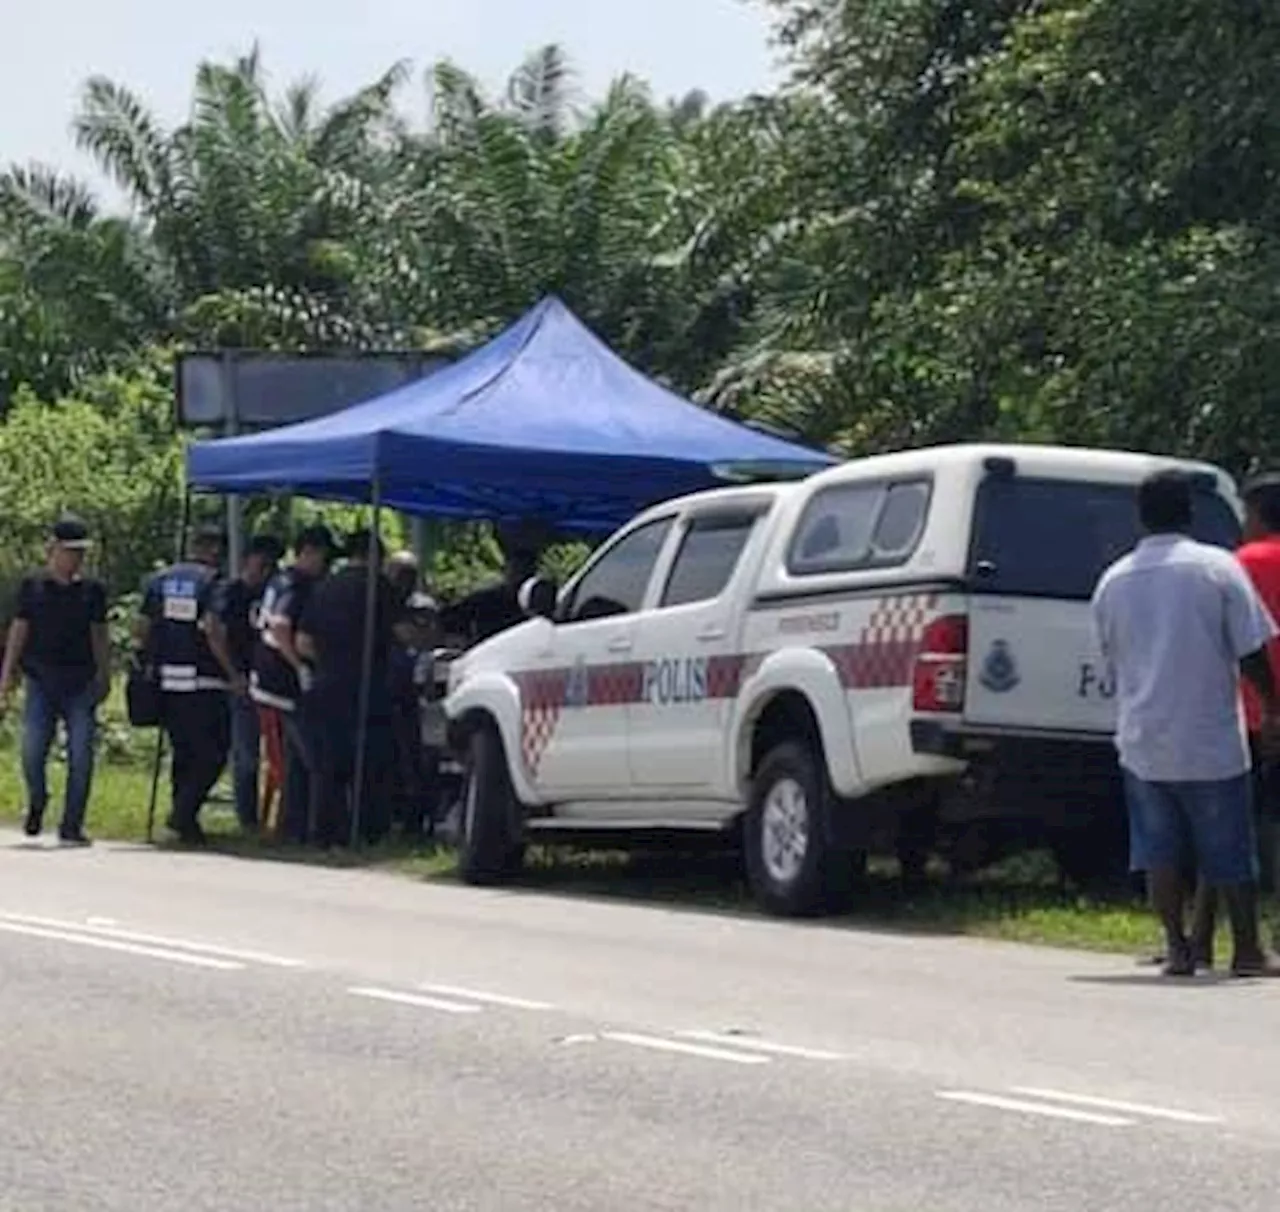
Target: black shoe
(1180, 962)
(188, 834)
(34, 822)
(78, 838)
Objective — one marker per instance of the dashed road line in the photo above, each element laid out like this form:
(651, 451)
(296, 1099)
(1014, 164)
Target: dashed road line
(753, 1044)
(492, 999)
(154, 940)
(413, 999)
(1124, 1108)
(658, 1044)
(999, 1102)
(127, 948)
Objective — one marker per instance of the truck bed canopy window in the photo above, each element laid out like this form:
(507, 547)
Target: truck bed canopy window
(865, 525)
(1055, 538)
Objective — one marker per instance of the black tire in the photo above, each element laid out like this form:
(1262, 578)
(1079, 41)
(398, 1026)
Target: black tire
(490, 843)
(791, 866)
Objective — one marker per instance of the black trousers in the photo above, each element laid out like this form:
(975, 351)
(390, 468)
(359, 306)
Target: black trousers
(1266, 792)
(333, 727)
(198, 724)
(298, 777)
(413, 786)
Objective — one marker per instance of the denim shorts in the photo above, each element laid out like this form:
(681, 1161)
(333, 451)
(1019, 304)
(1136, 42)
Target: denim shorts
(1205, 826)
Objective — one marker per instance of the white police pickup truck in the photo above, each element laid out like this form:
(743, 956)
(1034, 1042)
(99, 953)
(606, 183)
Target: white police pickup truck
(892, 648)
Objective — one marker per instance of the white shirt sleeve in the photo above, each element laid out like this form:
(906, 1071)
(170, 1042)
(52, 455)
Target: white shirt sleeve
(1100, 615)
(1248, 622)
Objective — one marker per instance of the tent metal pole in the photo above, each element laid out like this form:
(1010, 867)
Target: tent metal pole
(366, 666)
(158, 760)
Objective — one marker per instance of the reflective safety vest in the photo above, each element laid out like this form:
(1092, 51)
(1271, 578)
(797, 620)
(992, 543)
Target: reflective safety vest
(176, 602)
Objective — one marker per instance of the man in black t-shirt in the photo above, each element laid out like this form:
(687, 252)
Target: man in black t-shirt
(235, 613)
(331, 633)
(279, 669)
(493, 609)
(59, 641)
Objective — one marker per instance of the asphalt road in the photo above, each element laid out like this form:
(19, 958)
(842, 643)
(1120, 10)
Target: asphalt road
(198, 1032)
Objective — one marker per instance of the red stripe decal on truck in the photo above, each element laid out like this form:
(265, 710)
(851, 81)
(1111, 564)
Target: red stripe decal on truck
(881, 658)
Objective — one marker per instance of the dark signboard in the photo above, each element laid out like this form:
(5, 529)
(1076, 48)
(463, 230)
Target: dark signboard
(239, 390)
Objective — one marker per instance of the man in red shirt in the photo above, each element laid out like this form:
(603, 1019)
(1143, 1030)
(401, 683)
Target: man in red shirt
(1260, 556)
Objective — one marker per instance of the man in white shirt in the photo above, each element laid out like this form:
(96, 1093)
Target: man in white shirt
(1178, 622)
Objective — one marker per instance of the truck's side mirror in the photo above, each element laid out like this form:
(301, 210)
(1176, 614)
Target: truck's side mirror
(537, 598)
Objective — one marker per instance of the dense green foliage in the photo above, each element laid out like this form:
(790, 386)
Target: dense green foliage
(1033, 219)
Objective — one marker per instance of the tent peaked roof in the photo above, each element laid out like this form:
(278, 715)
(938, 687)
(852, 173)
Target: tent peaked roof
(545, 420)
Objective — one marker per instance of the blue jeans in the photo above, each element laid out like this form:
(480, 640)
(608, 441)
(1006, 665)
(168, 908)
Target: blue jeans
(1207, 827)
(45, 705)
(246, 742)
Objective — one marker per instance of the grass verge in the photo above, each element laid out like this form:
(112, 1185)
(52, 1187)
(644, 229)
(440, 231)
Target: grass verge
(1018, 901)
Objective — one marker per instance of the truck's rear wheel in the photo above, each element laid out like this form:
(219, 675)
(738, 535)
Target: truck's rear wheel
(791, 865)
(490, 845)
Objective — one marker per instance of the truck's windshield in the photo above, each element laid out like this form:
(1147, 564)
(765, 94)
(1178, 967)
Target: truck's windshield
(1055, 538)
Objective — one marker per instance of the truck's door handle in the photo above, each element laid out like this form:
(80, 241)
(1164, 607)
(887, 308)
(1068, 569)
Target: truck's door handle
(621, 644)
(712, 633)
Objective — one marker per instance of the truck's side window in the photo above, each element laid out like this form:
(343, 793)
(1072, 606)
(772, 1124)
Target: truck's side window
(616, 582)
(852, 526)
(709, 552)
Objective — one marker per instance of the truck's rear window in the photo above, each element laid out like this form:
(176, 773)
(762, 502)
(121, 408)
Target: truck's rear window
(1055, 538)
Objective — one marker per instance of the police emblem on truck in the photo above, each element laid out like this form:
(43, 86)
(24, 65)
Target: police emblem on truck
(999, 671)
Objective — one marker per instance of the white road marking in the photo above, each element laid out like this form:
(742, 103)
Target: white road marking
(413, 999)
(155, 940)
(109, 944)
(1109, 1104)
(658, 1044)
(1000, 1103)
(750, 1044)
(493, 999)
(101, 921)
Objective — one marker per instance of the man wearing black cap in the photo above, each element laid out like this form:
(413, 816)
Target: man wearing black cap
(280, 670)
(235, 615)
(59, 641)
(331, 633)
(175, 633)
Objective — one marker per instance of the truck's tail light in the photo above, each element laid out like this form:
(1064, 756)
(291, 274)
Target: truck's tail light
(937, 682)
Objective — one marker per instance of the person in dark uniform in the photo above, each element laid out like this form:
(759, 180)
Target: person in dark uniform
(411, 667)
(493, 609)
(235, 615)
(58, 639)
(195, 671)
(331, 633)
(280, 670)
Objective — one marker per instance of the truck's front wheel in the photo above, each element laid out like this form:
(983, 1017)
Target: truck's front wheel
(490, 848)
(790, 862)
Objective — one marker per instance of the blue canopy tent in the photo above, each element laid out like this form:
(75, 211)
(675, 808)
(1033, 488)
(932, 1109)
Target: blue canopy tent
(545, 421)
